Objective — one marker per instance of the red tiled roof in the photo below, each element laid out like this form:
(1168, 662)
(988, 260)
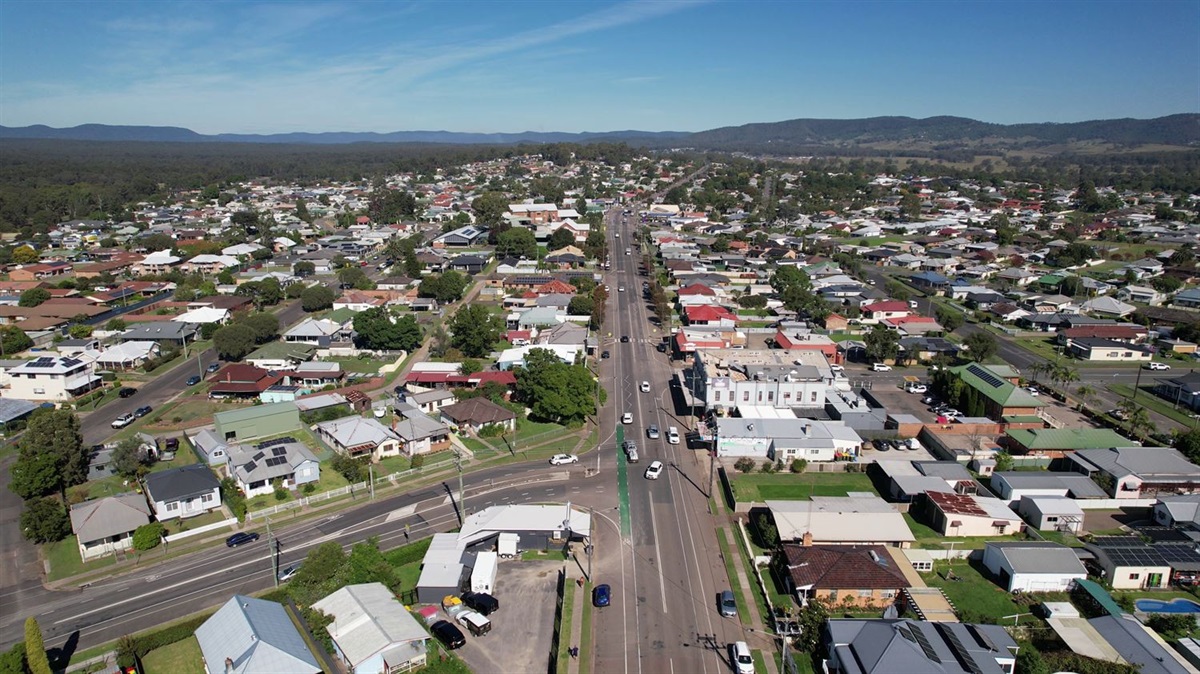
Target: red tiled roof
(887, 305)
(841, 567)
(706, 312)
(555, 287)
(697, 289)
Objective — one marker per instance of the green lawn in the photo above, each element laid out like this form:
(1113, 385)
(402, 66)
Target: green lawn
(543, 555)
(177, 525)
(360, 365)
(585, 639)
(1153, 403)
(754, 487)
(330, 479)
(564, 630)
(181, 657)
(1062, 538)
(974, 592)
(65, 561)
(535, 431)
(731, 571)
(393, 464)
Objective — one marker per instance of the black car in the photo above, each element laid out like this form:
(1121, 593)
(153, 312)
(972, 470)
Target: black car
(624, 339)
(605, 355)
(240, 538)
(126, 392)
(448, 634)
(142, 411)
(193, 380)
(481, 602)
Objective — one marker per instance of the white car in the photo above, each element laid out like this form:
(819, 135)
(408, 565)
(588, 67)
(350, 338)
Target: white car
(122, 421)
(1031, 390)
(563, 459)
(742, 661)
(1152, 365)
(654, 470)
(916, 388)
(627, 418)
(950, 413)
(880, 367)
(620, 289)
(645, 387)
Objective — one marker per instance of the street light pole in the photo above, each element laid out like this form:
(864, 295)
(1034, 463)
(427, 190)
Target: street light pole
(459, 468)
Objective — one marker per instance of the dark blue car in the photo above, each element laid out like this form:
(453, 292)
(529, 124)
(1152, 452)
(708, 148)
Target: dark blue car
(193, 380)
(601, 596)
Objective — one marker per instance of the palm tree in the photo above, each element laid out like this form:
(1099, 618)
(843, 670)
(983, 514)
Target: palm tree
(1085, 393)
(1140, 423)
(1065, 375)
(1038, 369)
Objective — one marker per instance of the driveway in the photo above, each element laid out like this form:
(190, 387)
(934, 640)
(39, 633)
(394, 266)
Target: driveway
(523, 627)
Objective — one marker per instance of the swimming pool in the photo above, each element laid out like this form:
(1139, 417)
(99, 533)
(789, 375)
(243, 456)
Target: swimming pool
(1173, 606)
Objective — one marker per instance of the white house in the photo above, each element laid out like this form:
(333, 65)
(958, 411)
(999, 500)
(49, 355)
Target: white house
(727, 380)
(183, 492)
(360, 436)
(372, 631)
(1051, 513)
(50, 378)
(1029, 566)
(203, 315)
(515, 357)
(786, 439)
(256, 469)
(106, 525)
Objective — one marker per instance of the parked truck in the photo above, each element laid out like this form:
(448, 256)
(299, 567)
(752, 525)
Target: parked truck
(483, 574)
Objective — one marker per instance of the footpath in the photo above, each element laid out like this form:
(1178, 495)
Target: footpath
(759, 636)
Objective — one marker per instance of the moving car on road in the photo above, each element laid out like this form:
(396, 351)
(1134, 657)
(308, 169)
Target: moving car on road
(645, 387)
(122, 421)
(601, 596)
(563, 459)
(240, 538)
(624, 339)
(727, 605)
(739, 653)
(654, 470)
(652, 432)
(126, 391)
(1154, 365)
(627, 418)
(880, 367)
(672, 435)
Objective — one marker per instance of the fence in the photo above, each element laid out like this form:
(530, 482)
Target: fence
(327, 495)
(201, 530)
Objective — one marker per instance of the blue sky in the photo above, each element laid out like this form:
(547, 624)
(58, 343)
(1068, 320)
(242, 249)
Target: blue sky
(482, 66)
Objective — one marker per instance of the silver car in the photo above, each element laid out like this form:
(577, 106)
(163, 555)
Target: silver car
(652, 432)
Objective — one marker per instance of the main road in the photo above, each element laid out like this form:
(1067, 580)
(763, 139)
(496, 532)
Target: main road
(669, 574)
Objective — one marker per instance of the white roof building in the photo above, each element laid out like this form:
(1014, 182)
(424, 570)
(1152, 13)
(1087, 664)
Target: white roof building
(856, 519)
(203, 315)
(371, 629)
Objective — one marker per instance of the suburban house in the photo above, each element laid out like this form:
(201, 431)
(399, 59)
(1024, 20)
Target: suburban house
(1129, 563)
(280, 355)
(257, 468)
(841, 520)
(106, 525)
(877, 311)
(174, 332)
(1031, 566)
(372, 631)
(1137, 472)
(1107, 350)
(882, 646)
(360, 436)
(51, 378)
(1141, 295)
(240, 380)
(183, 492)
(845, 575)
(429, 401)
(786, 439)
(210, 447)
(319, 331)
(712, 316)
(418, 432)
(968, 515)
(1051, 513)
(1012, 486)
(254, 636)
(474, 414)
(1178, 511)
(1182, 391)
(1055, 441)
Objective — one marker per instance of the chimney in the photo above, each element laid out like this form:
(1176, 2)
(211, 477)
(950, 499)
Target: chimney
(807, 540)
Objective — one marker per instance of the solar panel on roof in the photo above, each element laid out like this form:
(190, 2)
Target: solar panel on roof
(251, 466)
(987, 377)
(960, 651)
(276, 460)
(279, 451)
(923, 642)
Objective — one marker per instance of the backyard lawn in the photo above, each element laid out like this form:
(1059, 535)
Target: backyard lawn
(181, 657)
(931, 539)
(972, 593)
(757, 487)
(361, 365)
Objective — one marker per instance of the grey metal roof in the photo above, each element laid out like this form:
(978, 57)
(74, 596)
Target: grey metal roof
(1145, 462)
(1036, 557)
(177, 483)
(12, 409)
(368, 619)
(258, 636)
(906, 646)
(120, 514)
(1080, 486)
(1129, 638)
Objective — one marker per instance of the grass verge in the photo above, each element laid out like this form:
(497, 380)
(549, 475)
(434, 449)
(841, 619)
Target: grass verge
(564, 629)
(738, 598)
(181, 657)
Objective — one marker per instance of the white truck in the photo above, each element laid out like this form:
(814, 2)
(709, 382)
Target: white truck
(483, 574)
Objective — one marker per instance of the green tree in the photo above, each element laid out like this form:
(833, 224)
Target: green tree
(391, 205)
(35, 475)
(474, 330)
(13, 660)
(376, 329)
(1071, 286)
(580, 305)
(304, 268)
(981, 346)
(561, 238)
(270, 292)
(489, 208)
(264, 325)
(24, 255)
(517, 242)
(148, 536)
(45, 520)
(812, 620)
(752, 301)
(949, 319)
(80, 331)
(1163, 284)
(1188, 444)
(445, 288)
(13, 340)
(883, 343)
(234, 342)
(56, 433)
(157, 242)
(35, 648)
(115, 325)
(33, 297)
(555, 391)
(128, 459)
(355, 277)
(1030, 661)
(316, 298)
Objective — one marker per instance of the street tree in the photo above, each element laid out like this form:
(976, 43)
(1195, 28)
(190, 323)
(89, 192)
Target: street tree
(35, 648)
(883, 343)
(355, 277)
(45, 520)
(304, 268)
(234, 342)
(316, 298)
(949, 319)
(556, 391)
(474, 330)
(981, 346)
(445, 288)
(264, 325)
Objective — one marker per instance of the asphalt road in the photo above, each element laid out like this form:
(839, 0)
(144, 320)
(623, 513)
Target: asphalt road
(669, 573)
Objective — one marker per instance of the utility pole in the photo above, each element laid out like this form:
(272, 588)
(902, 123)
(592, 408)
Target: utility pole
(461, 506)
(274, 553)
(371, 477)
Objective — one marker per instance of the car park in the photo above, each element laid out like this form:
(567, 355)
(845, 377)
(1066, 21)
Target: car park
(563, 459)
(1154, 365)
(627, 418)
(601, 596)
(726, 604)
(193, 380)
(241, 538)
(122, 421)
(652, 432)
(880, 367)
(142, 411)
(450, 636)
(645, 387)
(654, 470)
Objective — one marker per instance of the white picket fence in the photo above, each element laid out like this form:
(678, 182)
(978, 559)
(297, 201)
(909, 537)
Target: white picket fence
(232, 521)
(326, 495)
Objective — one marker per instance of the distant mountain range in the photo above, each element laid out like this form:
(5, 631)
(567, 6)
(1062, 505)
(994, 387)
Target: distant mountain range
(891, 134)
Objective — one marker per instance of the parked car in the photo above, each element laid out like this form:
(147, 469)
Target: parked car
(142, 411)
(126, 391)
(739, 654)
(645, 387)
(930, 400)
(672, 435)
(726, 604)
(450, 636)
(122, 421)
(605, 355)
(915, 388)
(193, 380)
(951, 413)
(882, 446)
(212, 367)
(652, 432)
(601, 596)
(475, 623)
(1154, 365)
(627, 418)
(880, 367)
(837, 369)
(240, 538)
(654, 470)
(563, 459)
(287, 573)
(1032, 390)
(482, 602)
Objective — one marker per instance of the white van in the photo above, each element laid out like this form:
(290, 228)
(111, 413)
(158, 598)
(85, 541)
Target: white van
(673, 435)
